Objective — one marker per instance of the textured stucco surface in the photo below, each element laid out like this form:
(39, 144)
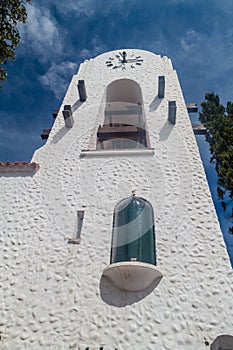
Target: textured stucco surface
(52, 294)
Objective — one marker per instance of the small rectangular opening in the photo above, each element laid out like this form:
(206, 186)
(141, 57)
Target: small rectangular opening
(77, 238)
(80, 217)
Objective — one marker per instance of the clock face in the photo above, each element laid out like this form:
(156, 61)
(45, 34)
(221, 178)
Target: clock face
(121, 61)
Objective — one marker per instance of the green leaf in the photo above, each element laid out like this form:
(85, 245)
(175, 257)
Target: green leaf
(219, 124)
(11, 13)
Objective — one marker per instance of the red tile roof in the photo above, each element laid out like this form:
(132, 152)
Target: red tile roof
(27, 166)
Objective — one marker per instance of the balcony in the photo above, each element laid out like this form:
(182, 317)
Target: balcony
(123, 127)
(132, 276)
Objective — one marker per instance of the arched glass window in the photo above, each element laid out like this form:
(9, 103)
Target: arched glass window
(222, 342)
(133, 237)
(124, 118)
(133, 257)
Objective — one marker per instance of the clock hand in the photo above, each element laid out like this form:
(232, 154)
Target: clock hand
(115, 67)
(134, 60)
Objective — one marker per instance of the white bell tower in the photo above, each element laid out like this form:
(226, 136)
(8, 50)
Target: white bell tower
(110, 238)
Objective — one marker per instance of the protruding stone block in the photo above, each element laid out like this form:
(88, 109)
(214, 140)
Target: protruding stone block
(192, 107)
(45, 134)
(55, 113)
(68, 116)
(161, 86)
(199, 129)
(82, 91)
(172, 112)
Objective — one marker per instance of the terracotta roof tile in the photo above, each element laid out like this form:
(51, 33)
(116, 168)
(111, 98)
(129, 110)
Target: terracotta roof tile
(26, 166)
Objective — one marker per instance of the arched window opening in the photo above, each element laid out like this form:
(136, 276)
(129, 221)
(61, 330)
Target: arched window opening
(133, 256)
(124, 118)
(222, 342)
(133, 237)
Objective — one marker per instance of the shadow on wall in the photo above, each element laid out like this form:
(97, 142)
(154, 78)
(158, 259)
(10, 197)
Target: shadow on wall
(114, 296)
(20, 173)
(62, 132)
(76, 105)
(59, 135)
(165, 131)
(155, 103)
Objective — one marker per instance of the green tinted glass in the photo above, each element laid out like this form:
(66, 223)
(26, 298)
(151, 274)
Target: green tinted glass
(133, 232)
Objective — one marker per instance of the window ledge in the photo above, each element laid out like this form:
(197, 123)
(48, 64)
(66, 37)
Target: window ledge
(132, 276)
(118, 152)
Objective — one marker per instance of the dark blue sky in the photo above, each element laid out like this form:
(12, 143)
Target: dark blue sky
(196, 34)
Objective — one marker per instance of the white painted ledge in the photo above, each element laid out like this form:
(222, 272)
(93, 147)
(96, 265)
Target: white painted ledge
(122, 152)
(132, 276)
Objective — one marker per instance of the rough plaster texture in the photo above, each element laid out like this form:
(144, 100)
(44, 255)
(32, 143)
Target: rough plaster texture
(52, 293)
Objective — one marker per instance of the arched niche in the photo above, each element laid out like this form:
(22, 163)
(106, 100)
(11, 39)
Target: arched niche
(124, 90)
(124, 124)
(133, 256)
(222, 342)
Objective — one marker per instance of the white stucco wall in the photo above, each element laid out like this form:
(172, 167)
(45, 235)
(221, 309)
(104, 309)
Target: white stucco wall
(52, 295)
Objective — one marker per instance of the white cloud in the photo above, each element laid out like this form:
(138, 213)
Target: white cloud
(190, 40)
(208, 49)
(206, 58)
(78, 7)
(57, 77)
(90, 8)
(225, 7)
(95, 48)
(41, 33)
(85, 54)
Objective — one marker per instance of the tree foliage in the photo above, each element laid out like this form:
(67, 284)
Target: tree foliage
(11, 13)
(219, 123)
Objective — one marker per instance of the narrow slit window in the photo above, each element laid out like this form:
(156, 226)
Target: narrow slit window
(77, 238)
